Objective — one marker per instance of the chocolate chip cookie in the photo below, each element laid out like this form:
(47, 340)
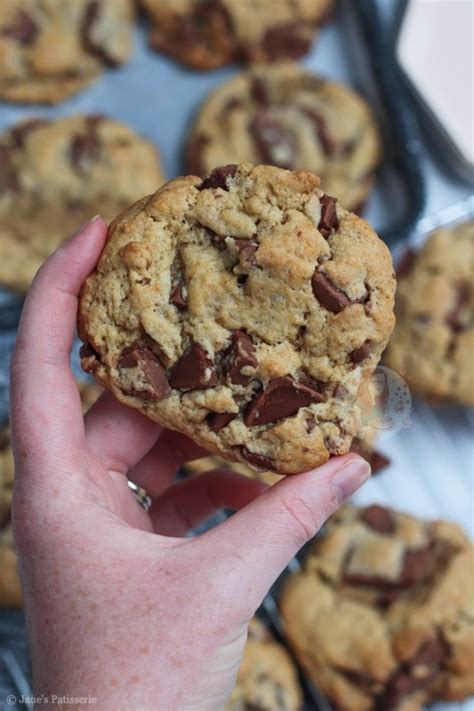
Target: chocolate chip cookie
(433, 341)
(206, 34)
(382, 615)
(288, 117)
(50, 49)
(267, 679)
(56, 175)
(244, 310)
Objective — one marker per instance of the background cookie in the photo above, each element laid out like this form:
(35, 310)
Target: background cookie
(433, 342)
(53, 48)
(210, 34)
(56, 175)
(244, 310)
(267, 678)
(382, 615)
(286, 116)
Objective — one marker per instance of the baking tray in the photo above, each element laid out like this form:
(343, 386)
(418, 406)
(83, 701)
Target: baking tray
(159, 99)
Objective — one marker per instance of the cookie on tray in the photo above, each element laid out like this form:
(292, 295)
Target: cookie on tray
(252, 307)
(50, 50)
(58, 174)
(382, 615)
(433, 342)
(206, 35)
(286, 116)
(10, 590)
(267, 680)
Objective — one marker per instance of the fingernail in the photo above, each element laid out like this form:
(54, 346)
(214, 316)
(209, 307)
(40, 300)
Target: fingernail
(350, 477)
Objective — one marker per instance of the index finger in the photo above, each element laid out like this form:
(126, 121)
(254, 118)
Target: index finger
(45, 404)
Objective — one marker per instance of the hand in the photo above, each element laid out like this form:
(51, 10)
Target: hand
(119, 605)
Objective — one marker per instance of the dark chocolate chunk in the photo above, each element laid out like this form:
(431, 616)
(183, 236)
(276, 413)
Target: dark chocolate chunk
(20, 132)
(357, 677)
(142, 357)
(240, 355)
(258, 460)
(218, 177)
(24, 29)
(89, 44)
(463, 294)
(378, 518)
(377, 461)
(286, 41)
(247, 249)
(414, 567)
(361, 353)
(328, 143)
(85, 148)
(328, 220)
(275, 144)
(328, 295)
(218, 420)
(178, 298)
(194, 370)
(282, 397)
(310, 423)
(194, 153)
(405, 264)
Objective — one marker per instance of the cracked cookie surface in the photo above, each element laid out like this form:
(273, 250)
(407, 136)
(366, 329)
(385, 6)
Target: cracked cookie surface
(291, 118)
(56, 175)
(50, 49)
(210, 34)
(267, 679)
(382, 615)
(433, 341)
(244, 310)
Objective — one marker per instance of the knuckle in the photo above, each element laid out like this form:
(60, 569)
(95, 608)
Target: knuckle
(304, 520)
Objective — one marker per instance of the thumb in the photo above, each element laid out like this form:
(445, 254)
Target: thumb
(261, 539)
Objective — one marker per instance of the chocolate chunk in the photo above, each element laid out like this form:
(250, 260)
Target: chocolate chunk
(378, 518)
(463, 295)
(217, 240)
(194, 153)
(282, 397)
(218, 420)
(258, 460)
(20, 132)
(247, 249)
(377, 461)
(328, 295)
(89, 44)
(85, 149)
(357, 677)
(240, 355)
(286, 41)
(405, 264)
(414, 567)
(328, 221)
(90, 358)
(194, 370)
(259, 91)
(328, 143)
(142, 357)
(218, 177)
(275, 145)
(400, 685)
(430, 656)
(310, 423)
(360, 354)
(24, 29)
(178, 297)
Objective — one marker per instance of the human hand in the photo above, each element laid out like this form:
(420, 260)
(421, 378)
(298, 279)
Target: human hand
(119, 605)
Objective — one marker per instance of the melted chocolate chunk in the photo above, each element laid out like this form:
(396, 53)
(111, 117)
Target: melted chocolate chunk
(24, 29)
(286, 41)
(240, 355)
(360, 354)
(85, 148)
(378, 518)
(415, 564)
(463, 294)
(90, 17)
(141, 357)
(178, 298)
(258, 460)
(218, 177)
(405, 263)
(281, 398)
(194, 153)
(218, 420)
(359, 678)
(328, 295)
(275, 145)
(194, 370)
(328, 221)
(328, 143)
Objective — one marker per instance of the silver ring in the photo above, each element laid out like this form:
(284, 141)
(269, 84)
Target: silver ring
(143, 498)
